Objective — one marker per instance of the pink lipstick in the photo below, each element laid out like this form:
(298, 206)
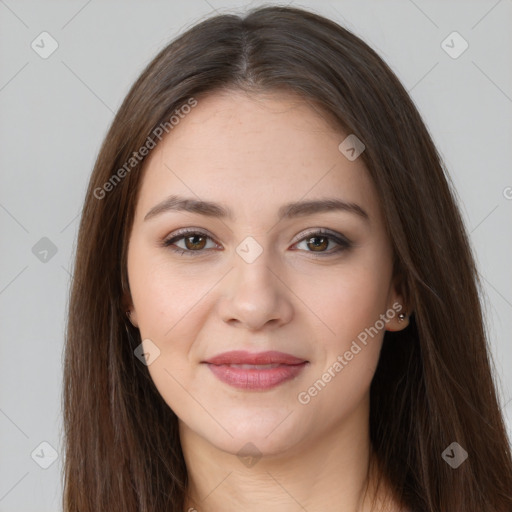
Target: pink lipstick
(255, 371)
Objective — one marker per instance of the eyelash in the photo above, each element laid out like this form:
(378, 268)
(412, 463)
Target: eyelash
(342, 241)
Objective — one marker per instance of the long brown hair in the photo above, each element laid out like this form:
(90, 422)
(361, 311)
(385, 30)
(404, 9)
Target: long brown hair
(433, 385)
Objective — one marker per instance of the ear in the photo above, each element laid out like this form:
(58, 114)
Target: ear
(129, 309)
(399, 306)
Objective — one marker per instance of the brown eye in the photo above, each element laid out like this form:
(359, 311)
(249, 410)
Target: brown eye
(318, 243)
(195, 242)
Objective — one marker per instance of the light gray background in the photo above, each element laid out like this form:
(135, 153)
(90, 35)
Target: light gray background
(55, 113)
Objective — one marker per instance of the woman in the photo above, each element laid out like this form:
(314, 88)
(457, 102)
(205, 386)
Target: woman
(275, 304)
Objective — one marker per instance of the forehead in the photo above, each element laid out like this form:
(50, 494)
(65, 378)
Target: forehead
(254, 153)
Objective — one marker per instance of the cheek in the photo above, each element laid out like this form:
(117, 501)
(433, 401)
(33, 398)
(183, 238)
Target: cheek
(350, 302)
(348, 298)
(162, 296)
(168, 306)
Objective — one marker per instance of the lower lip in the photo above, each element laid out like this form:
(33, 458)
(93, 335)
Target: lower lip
(256, 379)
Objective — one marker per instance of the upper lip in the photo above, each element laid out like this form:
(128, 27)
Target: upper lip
(243, 357)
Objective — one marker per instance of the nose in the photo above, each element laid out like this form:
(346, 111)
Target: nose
(255, 295)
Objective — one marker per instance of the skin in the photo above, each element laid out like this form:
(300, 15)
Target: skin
(253, 153)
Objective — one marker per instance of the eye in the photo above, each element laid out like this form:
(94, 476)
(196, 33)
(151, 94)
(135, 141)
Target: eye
(318, 241)
(194, 241)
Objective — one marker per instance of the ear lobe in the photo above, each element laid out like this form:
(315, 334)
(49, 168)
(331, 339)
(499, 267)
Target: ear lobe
(132, 317)
(129, 310)
(400, 318)
(400, 306)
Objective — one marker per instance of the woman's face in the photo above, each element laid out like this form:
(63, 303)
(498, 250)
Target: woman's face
(259, 276)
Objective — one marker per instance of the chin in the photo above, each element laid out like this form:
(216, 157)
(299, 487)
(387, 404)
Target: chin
(263, 435)
(256, 445)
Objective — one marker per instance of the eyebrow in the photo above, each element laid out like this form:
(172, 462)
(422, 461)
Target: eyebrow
(287, 211)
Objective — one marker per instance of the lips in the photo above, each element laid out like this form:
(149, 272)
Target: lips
(255, 371)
